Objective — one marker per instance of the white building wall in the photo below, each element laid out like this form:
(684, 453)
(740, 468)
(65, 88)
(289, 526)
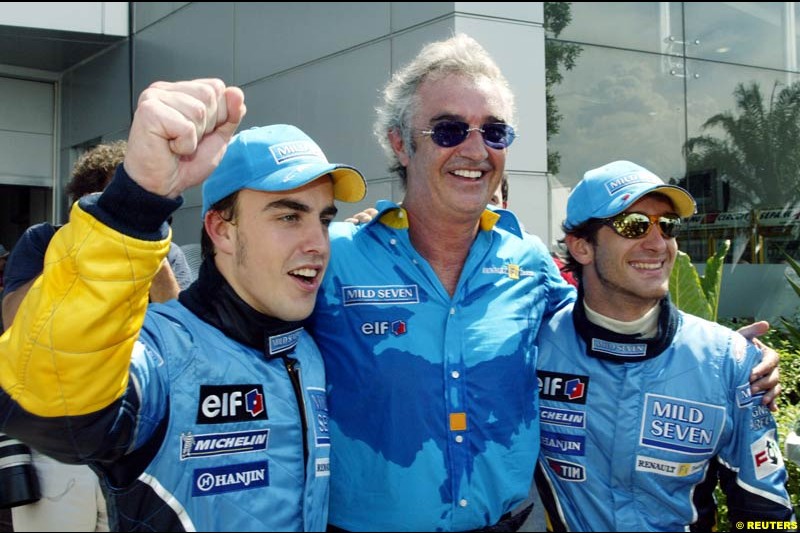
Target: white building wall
(107, 18)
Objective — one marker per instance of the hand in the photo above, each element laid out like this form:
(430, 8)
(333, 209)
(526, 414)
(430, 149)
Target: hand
(164, 286)
(363, 217)
(765, 375)
(180, 132)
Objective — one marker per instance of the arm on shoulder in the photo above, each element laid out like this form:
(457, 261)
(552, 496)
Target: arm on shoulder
(11, 303)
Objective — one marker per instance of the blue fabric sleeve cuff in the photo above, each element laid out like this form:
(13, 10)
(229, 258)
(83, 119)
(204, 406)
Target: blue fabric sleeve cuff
(129, 209)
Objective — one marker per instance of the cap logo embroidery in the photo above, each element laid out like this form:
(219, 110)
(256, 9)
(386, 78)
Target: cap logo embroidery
(615, 185)
(287, 151)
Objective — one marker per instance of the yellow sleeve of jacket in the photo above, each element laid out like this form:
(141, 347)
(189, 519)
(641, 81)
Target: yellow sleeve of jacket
(68, 351)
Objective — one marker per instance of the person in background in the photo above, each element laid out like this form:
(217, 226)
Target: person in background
(4, 253)
(500, 199)
(500, 195)
(91, 174)
(566, 274)
(205, 413)
(642, 404)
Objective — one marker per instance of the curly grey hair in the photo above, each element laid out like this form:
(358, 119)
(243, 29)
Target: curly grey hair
(460, 55)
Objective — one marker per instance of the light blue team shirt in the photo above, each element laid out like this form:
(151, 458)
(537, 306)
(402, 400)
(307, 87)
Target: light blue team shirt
(432, 398)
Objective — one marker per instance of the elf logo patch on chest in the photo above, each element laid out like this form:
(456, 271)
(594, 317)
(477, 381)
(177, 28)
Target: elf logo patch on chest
(681, 425)
(560, 387)
(231, 403)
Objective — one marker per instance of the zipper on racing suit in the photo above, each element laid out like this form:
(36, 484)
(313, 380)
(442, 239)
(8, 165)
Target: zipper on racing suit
(294, 377)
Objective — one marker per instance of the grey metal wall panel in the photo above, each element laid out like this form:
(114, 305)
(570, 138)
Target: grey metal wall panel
(26, 132)
(408, 14)
(96, 98)
(196, 42)
(27, 106)
(26, 159)
(147, 13)
(275, 36)
(332, 101)
(512, 11)
(187, 224)
(84, 17)
(406, 45)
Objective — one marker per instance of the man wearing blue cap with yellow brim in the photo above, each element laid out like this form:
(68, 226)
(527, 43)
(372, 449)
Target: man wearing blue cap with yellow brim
(206, 413)
(640, 403)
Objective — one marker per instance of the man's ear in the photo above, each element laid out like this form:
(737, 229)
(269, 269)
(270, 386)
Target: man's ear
(220, 232)
(580, 249)
(399, 147)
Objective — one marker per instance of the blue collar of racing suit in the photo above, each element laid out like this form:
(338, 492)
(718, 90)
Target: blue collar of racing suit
(213, 300)
(619, 348)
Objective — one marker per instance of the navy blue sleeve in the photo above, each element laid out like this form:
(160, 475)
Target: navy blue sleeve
(127, 208)
(27, 257)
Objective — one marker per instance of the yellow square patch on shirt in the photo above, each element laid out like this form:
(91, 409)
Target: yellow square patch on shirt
(458, 421)
(513, 271)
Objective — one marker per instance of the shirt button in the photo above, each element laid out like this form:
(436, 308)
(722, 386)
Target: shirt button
(462, 503)
(460, 439)
(393, 241)
(455, 374)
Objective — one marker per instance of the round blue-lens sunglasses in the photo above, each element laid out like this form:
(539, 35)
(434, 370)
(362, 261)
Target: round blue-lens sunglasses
(449, 133)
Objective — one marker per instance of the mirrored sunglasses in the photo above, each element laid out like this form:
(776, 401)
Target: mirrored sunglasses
(637, 225)
(449, 133)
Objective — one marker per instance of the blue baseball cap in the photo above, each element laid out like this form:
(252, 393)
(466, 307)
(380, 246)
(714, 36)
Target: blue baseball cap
(611, 189)
(277, 158)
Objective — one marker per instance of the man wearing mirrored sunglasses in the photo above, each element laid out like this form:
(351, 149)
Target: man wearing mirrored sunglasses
(642, 405)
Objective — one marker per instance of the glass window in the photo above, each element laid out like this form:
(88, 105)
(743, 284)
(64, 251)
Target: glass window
(742, 165)
(616, 104)
(714, 108)
(646, 26)
(728, 31)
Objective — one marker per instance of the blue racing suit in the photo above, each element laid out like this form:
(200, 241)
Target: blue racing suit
(432, 398)
(201, 414)
(633, 431)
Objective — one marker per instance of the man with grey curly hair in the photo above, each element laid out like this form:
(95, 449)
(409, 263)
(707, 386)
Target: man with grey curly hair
(428, 316)
(461, 56)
